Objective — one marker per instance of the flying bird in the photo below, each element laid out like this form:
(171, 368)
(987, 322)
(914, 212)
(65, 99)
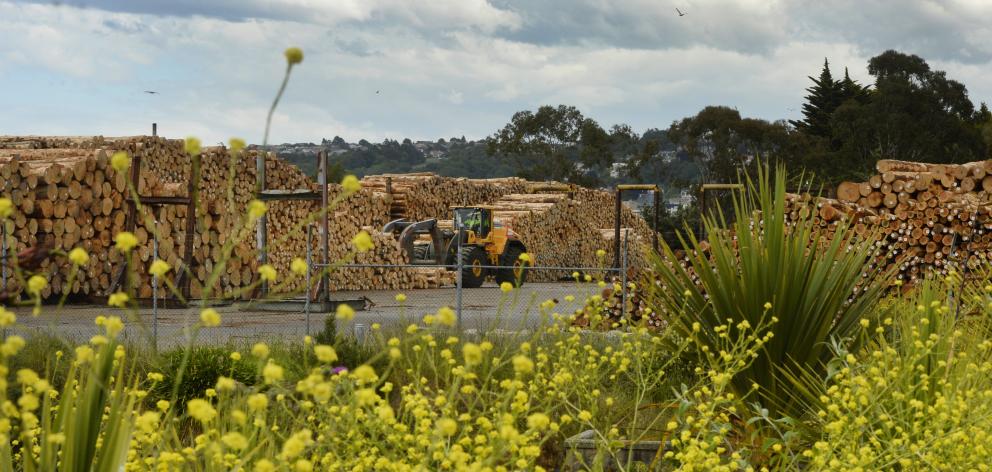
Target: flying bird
(377, 92)
(151, 92)
(679, 12)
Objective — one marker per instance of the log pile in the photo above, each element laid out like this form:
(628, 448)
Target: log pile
(67, 195)
(929, 215)
(421, 196)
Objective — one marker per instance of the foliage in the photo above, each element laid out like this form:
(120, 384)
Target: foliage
(559, 143)
(204, 365)
(767, 267)
(824, 97)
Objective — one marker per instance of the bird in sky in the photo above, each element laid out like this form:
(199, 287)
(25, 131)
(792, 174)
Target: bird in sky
(679, 12)
(151, 92)
(377, 92)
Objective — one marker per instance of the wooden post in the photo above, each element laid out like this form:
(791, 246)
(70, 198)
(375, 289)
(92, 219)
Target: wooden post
(325, 289)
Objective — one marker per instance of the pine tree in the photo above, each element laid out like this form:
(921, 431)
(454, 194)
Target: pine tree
(851, 90)
(824, 97)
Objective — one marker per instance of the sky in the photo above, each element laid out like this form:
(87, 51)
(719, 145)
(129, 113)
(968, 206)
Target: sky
(427, 69)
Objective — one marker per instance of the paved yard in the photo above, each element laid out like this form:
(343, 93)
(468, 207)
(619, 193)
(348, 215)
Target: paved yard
(485, 307)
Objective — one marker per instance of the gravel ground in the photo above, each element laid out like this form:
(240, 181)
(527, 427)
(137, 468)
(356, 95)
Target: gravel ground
(482, 308)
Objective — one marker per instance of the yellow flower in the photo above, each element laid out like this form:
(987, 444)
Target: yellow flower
(768, 305)
(256, 208)
(472, 353)
(447, 427)
(114, 325)
(148, 421)
(12, 345)
(400, 297)
(79, 256)
(446, 316)
(864, 323)
(297, 443)
(522, 364)
(192, 146)
(600, 253)
(345, 312)
(209, 317)
(258, 402)
(84, 354)
(264, 465)
(506, 287)
(225, 384)
(234, 440)
(6, 207)
(525, 257)
(7, 318)
(267, 273)
(236, 145)
(159, 268)
(584, 415)
(27, 377)
(365, 374)
(298, 266)
(125, 241)
(118, 300)
(120, 161)
(362, 242)
(293, 55)
(538, 421)
(28, 402)
(325, 353)
(272, 372)
(350, 184)
(201, 410)
(162, 405)
(260, 350)
(36, 284)
(235, 356)
(302, 465)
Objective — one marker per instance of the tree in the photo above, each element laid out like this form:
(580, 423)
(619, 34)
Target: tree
(914, 113)
(824, 97)
(557, 143)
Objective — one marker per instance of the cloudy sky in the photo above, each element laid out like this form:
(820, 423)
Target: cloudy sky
(425, 69)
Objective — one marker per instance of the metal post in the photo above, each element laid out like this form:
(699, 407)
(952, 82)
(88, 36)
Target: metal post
(616, 231)
(657, 210)
(306, 304)
(458, 276)
(155, 290)
(623, 276)
(3, 252)
(154, 129)
(325, 280)
(702, 213)
(260, 229)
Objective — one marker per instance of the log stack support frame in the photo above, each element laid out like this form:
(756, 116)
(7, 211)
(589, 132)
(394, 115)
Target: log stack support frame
(323, 289)
(131, 221)
(702, 201)
(656, 191)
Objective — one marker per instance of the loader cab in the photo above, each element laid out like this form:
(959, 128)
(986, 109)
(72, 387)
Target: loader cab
(475, 219)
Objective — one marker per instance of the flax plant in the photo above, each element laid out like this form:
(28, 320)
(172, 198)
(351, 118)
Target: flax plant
(766, 263)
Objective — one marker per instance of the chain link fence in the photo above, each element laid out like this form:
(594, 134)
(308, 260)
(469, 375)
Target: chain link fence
(162, 323)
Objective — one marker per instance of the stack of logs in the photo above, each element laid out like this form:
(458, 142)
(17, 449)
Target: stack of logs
(67, 195)
(928, 215)
(420, 196)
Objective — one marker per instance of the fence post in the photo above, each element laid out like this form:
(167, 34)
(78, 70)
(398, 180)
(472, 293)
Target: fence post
(306, 303)
(155, 291)
(623, 276)
(458, 278)
(3, 252)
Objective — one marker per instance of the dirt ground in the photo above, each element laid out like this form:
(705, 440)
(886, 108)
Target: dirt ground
(482, 308)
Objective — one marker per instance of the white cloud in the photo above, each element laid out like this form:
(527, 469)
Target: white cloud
(217, 64)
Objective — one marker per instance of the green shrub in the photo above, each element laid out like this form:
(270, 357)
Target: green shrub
(767, 267)
(205, 365)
